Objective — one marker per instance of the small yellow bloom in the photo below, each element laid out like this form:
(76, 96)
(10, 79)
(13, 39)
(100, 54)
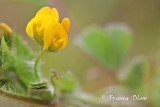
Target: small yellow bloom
(6, 31)
(46, 29)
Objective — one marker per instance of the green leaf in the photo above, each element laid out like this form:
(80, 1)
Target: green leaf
(97, 43)
(155, 93)
(7, 58)
(22, 50)
(5, 48)
(109, 47)
(8, 71)
(24, 64)
(121, 40)
(65, 84)
(135, 74)
(25, 72)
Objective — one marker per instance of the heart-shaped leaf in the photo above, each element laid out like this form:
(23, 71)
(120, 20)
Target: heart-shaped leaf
(109, 47)
(120, 39)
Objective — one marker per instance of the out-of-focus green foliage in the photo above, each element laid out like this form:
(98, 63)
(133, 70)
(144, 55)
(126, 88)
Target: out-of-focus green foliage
(7, 58)
(65, 83)
(24, 63)
(97, 43)
(10, 83)
(155, 91)
(142, 78)
(135, 73)
(152, 81)
(120, 39)
(21, 49)
(109, 47)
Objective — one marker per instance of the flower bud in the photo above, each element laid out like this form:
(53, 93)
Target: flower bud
(6, 31)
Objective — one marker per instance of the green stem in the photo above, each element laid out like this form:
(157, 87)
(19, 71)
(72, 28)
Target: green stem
(36, 63)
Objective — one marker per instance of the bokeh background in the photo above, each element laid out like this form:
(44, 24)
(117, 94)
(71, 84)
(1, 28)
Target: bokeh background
(142, 16)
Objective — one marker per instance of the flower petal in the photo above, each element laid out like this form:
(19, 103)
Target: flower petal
(48, 35)
(29, 29)
(66, 24)
(55, 39)
(43, 11)
(55, 15)
(60, 38)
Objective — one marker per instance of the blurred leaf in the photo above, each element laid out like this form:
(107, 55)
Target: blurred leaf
(110, 48)
(152, 82)
(95, 41)
(25, 71)
(121, 40)
(22, 50)
(24, 64)
(11, 87)
(5, 48)
(10, 80)
(155, 91)
(64, 84)
(67, 83)
(134, 75)
(7, 58)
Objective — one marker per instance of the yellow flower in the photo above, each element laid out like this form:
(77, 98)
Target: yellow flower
(46, 29)
(6, 31)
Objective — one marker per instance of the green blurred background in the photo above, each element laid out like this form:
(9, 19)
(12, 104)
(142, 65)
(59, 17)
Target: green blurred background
(142, 16)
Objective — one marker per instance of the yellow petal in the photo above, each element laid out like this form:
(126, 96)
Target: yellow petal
(60, 39)
(48, 35)
(55, 15)
(55, 37)
(44, 11)
(38, 33)
(29, 29)
(66, 24)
